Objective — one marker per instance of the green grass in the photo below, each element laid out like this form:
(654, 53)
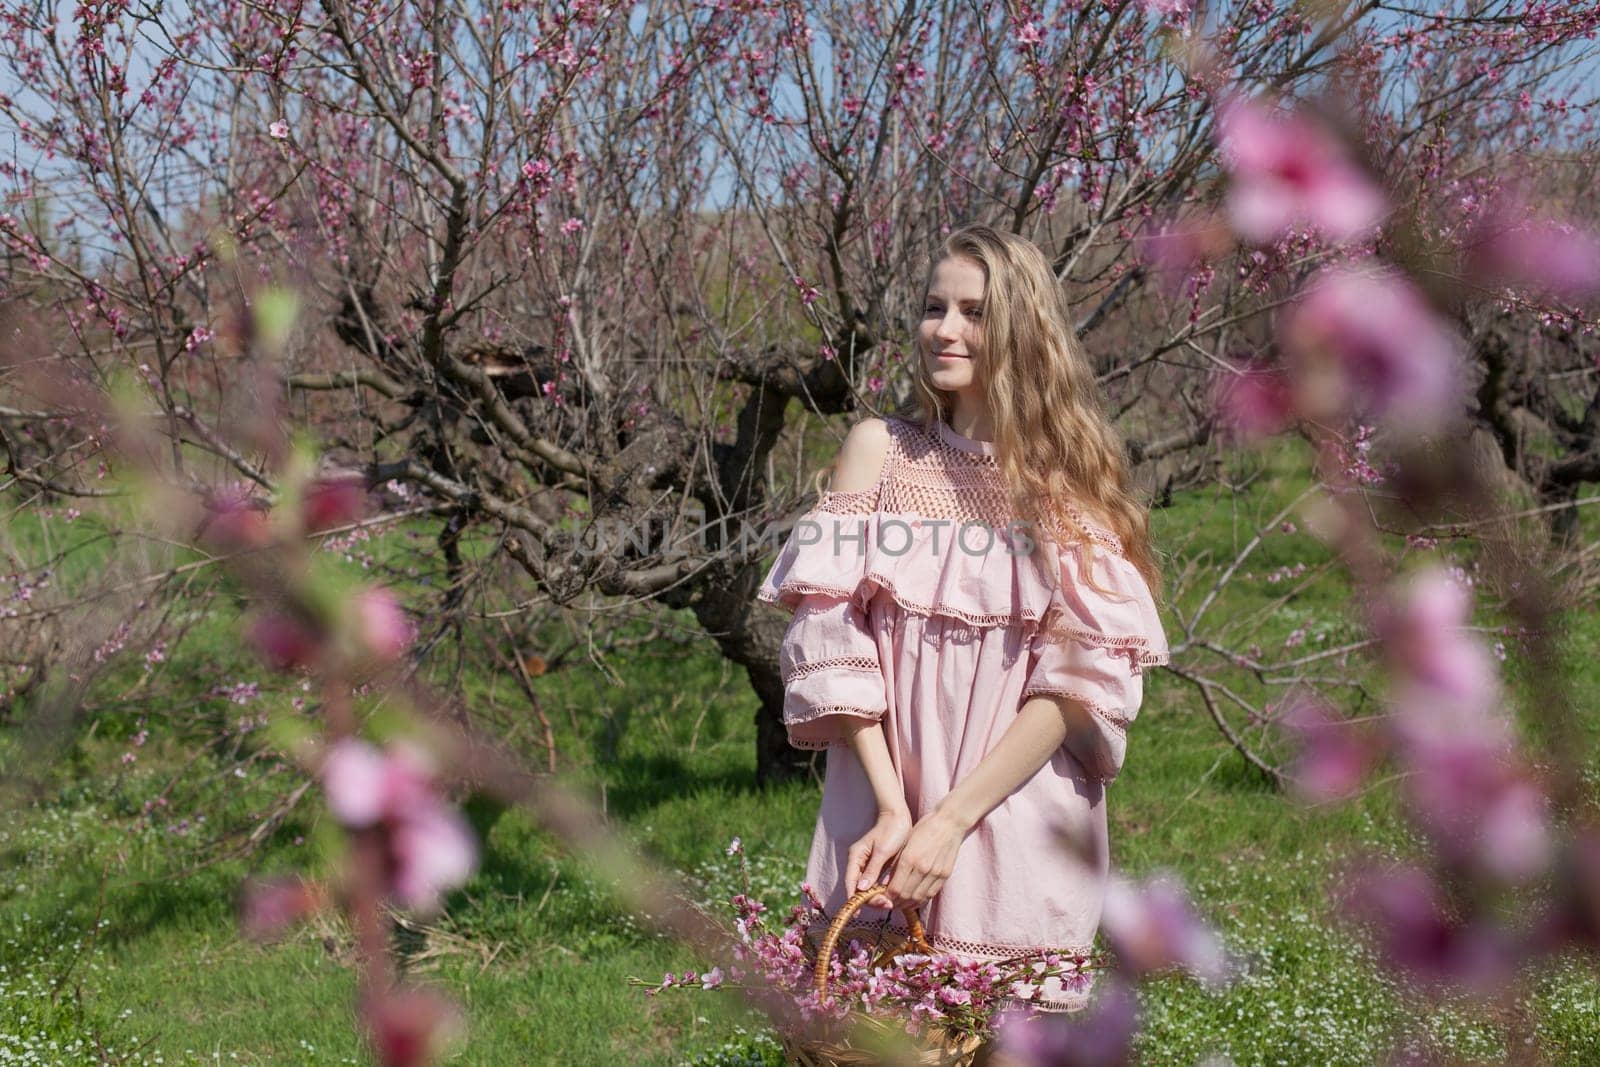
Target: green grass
(115, 936)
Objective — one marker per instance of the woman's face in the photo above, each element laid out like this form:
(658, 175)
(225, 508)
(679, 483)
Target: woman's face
(951, 331)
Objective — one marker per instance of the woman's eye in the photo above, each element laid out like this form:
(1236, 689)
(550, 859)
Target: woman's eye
(975, 313)
(932, 307)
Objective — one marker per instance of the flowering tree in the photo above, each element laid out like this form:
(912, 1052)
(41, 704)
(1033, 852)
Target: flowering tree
(565, 269)
(568, 272)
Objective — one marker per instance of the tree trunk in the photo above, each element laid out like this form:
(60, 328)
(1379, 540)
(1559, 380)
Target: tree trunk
(748, 632)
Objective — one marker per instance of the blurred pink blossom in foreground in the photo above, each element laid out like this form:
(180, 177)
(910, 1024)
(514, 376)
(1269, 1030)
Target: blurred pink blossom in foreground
(385, 631)
(285, 643)
(1252, 400)
(1289, 170)
(234, 521)
(1466, 788)
(1176, 247)
(1551, 257)
(270, 906)
(411, 1027)
(1152, 927)
(429, 846)
(1425, 636)
(1481, 810)
(1334, 757)
(334, 501)
(1366, 342)
(1100, 1035)
(1419, 931)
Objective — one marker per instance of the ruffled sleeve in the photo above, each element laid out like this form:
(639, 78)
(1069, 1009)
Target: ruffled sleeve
(829, 659)
(1093, 647)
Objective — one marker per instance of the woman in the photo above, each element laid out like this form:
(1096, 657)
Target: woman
(973, 607)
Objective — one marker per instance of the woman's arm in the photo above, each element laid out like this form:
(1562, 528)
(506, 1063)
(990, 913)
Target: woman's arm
(929, 856)
(1041, 727)
(872, 749)
(868, 855)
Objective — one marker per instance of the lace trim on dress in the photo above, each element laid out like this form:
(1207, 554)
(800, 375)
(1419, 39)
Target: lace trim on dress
(885, 583)
(1135, 646)
(961, 945)
(1117, 720)
(926, 475)
(842, 663)
(852, 502)
(938, 479)
(820, 711)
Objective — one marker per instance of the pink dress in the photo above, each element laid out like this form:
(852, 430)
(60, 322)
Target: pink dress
(918, 603)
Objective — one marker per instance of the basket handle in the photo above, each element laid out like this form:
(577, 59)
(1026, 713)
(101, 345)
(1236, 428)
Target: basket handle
(917, 937)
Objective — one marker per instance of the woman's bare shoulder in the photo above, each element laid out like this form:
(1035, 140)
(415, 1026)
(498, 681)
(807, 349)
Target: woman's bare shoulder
(861, 457)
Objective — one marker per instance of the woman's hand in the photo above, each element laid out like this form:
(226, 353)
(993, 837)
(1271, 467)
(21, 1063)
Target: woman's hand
(927, 859)
(869, 855)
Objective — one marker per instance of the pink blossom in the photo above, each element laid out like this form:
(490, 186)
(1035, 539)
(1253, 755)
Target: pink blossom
(1424, 636)
(1289, 170)
(430, 847)
(1100, 1035)
(432, 850)
(234, 521)
(1176, 247)
(1417, 932)
(270, 906)
(711, 979)
(1466, 793)
(1334, 756)
(360, 782)
(1152, 927)
(410, 1027)
(384, 629)
(1252, 400)
(571, 226)
(334, 501)
(1029, 33)
(1366, 342)
(278, 131)
(285, 643)
(1552, 257)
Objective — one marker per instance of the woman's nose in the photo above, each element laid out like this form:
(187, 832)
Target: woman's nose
(950, 326)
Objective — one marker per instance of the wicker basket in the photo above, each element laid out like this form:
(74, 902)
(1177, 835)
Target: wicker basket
(872, 1034)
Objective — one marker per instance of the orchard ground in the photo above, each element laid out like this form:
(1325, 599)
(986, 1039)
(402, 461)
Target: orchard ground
(118, 940)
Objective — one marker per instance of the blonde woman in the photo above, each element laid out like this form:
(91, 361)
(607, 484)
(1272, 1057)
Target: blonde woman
(974, 603)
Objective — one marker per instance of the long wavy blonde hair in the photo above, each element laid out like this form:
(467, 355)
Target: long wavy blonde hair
(1053, 440)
